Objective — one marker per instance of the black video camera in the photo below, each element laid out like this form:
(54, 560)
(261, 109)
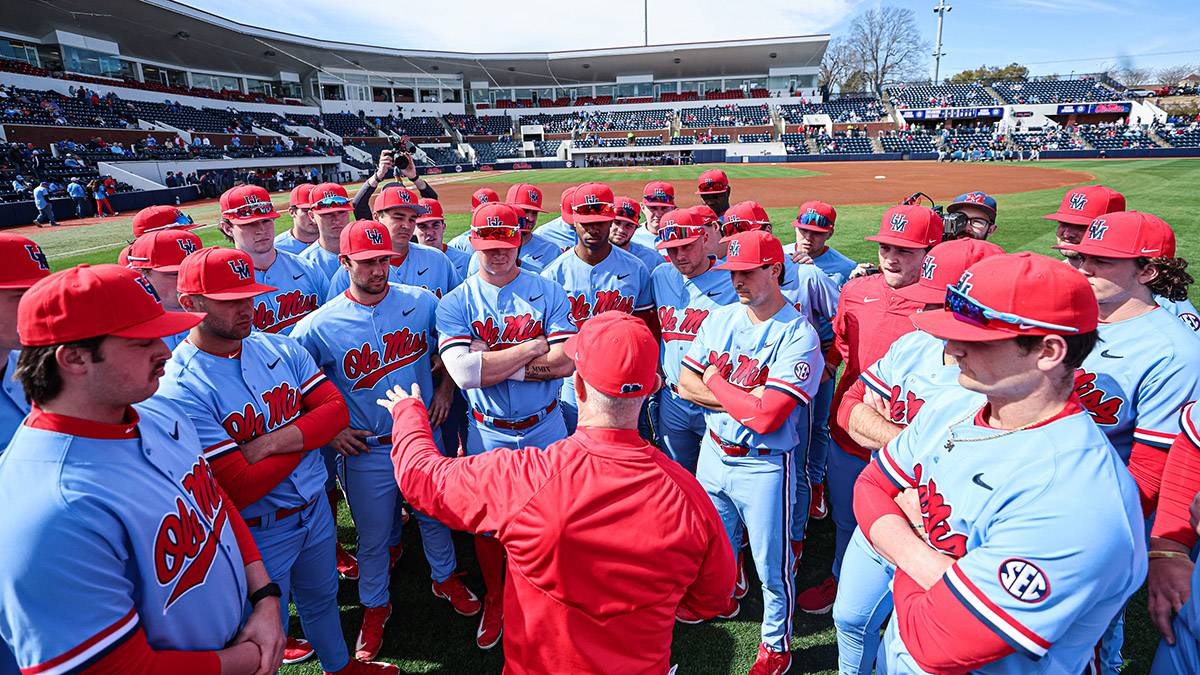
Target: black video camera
(953, 224)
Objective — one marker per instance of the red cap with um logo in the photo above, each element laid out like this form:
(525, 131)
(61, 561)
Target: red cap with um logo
(615, 354)
(525, 196)
(483, 196)
(22, 263)
(1126, 234)
(366, 239)
(909, 227)
(220, 273)
(163, 250)
(750, 250)
(86, 302)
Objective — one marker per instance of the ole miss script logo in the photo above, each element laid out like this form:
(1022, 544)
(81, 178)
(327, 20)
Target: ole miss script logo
(936, 512)
(400, 348)
(290, 308)
(283, 405)
(674, 329)
(741, 371)
(1104, 409)
(904, 406)
(511, 330)
(582, 310)
(187, 539)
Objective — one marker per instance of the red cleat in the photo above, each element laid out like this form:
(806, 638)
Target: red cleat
(491, 626)
(370, 637)
(296, 650)
(356, 667)
(818, 508)
(461, 598)
(347, 564)
(771, 663)
(819, 599)
(394, 553)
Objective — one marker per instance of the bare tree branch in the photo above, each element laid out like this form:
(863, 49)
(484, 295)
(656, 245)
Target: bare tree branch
(888, 46)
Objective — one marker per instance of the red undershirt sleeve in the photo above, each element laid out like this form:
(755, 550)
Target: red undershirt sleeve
(1146, 464)
(247, 483)
(136, 657)
(326, 415)
(874, 497)
(1180, 484)
(938, 630)
(761, 415)
(852, 397)
(245, 540)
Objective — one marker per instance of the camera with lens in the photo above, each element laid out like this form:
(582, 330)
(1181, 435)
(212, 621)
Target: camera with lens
(953, 224)
(400, 154)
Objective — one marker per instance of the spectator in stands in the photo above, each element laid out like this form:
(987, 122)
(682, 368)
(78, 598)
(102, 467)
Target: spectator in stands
(77, 193)
(41, 199)
(22, 187)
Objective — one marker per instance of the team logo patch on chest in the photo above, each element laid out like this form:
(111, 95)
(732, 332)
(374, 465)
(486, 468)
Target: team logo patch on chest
(904, 406)
(1103, 408)
(1023, 580)
(291, 307)
(366, 365)
(741, 370)
(606, 301)
(185, 546)
(284, 404)
(936, 512)
(674, 329)
(516, 329)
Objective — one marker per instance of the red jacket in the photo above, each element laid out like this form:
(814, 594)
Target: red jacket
(869, 319)
(606, 538)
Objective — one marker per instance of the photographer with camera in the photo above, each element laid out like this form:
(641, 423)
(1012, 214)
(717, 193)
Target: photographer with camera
(970, 215)
(404, 166)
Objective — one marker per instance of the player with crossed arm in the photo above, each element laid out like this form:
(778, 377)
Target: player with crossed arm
(127, 555)
(1012, 576)
(431, 230)
(814, 227)
(597, 276)
(884, 400)
(754, 367)
(374, 336)
(261, 407)
(500, 337)
(397, 209)
(303, 231)
(331, 208)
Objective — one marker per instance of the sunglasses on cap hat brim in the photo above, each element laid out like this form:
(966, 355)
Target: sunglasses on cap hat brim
(732, 227)
(670, 236)
(969, 310)
(262, 209)
(814, 221)
(181, 222)
(659, 199)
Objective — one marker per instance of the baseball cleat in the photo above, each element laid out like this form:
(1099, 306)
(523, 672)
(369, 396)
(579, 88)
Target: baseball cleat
(296, 650)
(461, 598)
(818, 508)
(818, 599)
(394, 553)
(347, 564)
(370, 637)
(742, 585)
(771, 663)
(491, 625)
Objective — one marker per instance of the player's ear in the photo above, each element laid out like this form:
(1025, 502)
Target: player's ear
(190, 303)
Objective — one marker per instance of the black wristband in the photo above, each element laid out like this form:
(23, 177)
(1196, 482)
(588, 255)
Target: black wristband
(271, 590)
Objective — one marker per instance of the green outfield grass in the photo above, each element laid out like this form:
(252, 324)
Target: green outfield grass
(424, 634)
(734, 171)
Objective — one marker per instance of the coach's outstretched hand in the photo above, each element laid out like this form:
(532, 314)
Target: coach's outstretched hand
(396, 394)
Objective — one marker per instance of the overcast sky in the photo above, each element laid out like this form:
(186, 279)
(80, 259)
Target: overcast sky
(1049, 36)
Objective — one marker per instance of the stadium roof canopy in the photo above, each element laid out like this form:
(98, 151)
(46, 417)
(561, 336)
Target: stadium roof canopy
(172, 33)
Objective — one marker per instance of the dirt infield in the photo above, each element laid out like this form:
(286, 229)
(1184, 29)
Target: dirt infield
(842, 183)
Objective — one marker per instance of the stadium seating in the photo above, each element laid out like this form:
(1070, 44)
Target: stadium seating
(719, 139)
(636, 99)
(345, 124)
(1116, 137)
(441, 155)
(916, 140)
(593, 100)
(418, 127)
(1055, 91)
(840, 144)
(754, 138)
(500, 125)
(725, 116)
(840, 111)
(795, 144)
(558, 123)
(672, 97)
(628, 120)
(1050, 139)
(548, 148)
(1181, 138)
(614, 142)
(647, 140)
(945, 96)
(583, 143)
(724, 95)
(683, 140)
(961, 138)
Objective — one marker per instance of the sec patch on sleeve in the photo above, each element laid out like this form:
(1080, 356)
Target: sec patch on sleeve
(1024, 581)
(802, 371)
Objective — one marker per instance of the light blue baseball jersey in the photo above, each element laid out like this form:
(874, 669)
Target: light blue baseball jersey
(558, 232)
(781, 353)
(460, 259)
(462, 242)
(683, 305)
(324, 260)
(121, 527)
(1184, 309)
(912, 370)
(13, 406)
(620, 283)
(649, 257)
(1043, 574)
(523, 309)
(301, 290)
(813, 293)
(534, 256)
(835, 265)
(365, 350)
(423, 267)
(1138, 377)
(644, 237)
(285, 241)
(234, 400)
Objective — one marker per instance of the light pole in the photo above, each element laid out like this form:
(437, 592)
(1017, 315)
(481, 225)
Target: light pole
(940, 10)
(646, 19)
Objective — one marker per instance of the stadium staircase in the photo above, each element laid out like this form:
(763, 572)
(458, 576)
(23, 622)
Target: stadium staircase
(1158, 139)
(891, 113)
(993, 93)
(1079, 137)
(877, 145)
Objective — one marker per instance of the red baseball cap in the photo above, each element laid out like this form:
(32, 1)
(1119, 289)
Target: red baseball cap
(678, 228)
(220, 273)
(247, 203)
(331, 198)
(704, 215)
(909, 227)
(1082, 205)
(744, 216)
(627, 210)
(713, 181)
(366, 239)
(751, 250)
(1126, 234)
(299, 196)
(164, 217)
(433, 211)
(615, 354)
(495, 225)
(163, 250)
(815, 216)
(593, 203)
(525, 196)
(22, 263)
(91, 301)
(659, 192)
(483, 196)
(1003, 296)
(123, 256)
(564, 205)
(397, 197)
(944, 265)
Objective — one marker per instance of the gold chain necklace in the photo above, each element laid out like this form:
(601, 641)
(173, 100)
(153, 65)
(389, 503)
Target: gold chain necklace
(950, 443)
